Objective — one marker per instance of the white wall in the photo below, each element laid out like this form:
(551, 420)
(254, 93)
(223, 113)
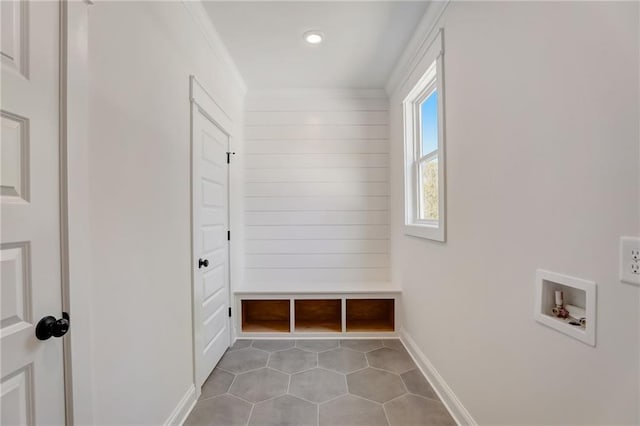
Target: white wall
(141, 56)
(316, 171)
(542, 110)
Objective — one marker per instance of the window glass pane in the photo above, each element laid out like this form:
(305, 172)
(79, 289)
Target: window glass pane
(429, 124)
(429, 189)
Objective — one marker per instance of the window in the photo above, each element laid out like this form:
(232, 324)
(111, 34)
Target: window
(424, 151)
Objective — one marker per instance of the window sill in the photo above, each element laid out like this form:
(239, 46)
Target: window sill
(428, 232)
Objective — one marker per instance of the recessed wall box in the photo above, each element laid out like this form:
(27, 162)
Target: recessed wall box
(578, 294)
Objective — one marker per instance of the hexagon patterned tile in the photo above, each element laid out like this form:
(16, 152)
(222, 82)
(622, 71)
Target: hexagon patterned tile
(258, 385)
(352, 410)
(415, 410)
(361, 345)
(293, 360)
(394, 344)
(273, 345)
(318, 385)
(376, 385)
(284, 410)
(243, 360)
(317, 345)
(239, 344)
(416, 383)
(271, 382)
(217, 383)
(224, 410)
(390, 360)
(342, 360)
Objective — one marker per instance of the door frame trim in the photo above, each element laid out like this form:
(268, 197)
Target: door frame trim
(202, 102)
(74, 208)
(63, 195)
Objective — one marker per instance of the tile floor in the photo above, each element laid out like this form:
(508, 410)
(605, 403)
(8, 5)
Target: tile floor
(318, 382)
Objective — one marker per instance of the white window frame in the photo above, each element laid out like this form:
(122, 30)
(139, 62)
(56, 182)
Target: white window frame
(432, 79)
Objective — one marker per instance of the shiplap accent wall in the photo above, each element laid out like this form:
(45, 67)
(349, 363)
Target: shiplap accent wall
(317, 187)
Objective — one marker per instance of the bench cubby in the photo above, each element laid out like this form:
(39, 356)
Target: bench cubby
(318, 315)
(262, 316)
(370, 315)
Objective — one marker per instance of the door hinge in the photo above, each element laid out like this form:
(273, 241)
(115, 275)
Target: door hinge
(229, 311)
(229, 154)
(228, 235)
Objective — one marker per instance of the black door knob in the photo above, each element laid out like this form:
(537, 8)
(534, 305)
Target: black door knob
(203, 262)
(50, 327)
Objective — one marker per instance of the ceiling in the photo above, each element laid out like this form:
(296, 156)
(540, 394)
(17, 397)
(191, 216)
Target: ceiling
(363, 40)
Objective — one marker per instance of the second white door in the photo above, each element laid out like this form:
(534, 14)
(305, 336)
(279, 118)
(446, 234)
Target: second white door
(210, 243)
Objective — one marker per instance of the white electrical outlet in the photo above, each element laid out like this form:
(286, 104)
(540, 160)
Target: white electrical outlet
(630, 260)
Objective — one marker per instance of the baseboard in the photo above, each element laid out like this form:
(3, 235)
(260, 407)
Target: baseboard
(184, 407)
(448, 398)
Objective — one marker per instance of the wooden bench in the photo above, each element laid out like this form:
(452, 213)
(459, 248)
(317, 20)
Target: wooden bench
(326, 310)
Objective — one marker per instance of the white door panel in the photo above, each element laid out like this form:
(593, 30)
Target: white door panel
(214, 282)
(213, 238)
(210, 243)
(212, 192)
(32, 384)
(212, 216)
(214, 322)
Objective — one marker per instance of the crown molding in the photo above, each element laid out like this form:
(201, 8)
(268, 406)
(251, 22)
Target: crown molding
(417, 45)
(202, 19)
(293, 93)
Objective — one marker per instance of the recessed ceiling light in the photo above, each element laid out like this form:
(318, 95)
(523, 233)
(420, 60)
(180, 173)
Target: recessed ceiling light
(313, 37)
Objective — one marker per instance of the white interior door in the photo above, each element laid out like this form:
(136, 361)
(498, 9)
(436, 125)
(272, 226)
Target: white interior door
(210, 244)
(32, 386)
